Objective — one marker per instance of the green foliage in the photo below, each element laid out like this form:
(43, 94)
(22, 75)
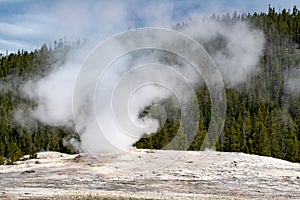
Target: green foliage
(263, 116)
(180, 141)
(2, 160)
(17, 140)
(14, 153)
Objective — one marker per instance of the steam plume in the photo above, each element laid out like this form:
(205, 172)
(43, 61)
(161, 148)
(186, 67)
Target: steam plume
(237, 62)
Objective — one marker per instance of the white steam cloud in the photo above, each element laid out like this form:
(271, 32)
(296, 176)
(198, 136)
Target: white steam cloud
(237, 61)
(293, 83)
(239, 57)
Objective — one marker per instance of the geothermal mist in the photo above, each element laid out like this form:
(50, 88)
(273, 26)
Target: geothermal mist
(237, 62)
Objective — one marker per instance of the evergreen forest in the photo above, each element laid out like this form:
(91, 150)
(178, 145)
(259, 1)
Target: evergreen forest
(263, 115)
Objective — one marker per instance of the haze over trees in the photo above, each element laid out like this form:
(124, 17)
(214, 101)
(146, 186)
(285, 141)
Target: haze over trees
(263, 114)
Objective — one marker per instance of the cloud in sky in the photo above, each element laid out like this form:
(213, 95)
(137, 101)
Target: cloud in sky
(29, 24)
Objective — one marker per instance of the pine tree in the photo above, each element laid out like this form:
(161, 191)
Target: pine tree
(180, 141)
(264, 141)
(14, 154)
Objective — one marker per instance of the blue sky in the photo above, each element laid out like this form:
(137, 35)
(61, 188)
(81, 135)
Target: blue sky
(27, 24)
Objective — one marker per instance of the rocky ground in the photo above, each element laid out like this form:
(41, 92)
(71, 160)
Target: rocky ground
(146, 174)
